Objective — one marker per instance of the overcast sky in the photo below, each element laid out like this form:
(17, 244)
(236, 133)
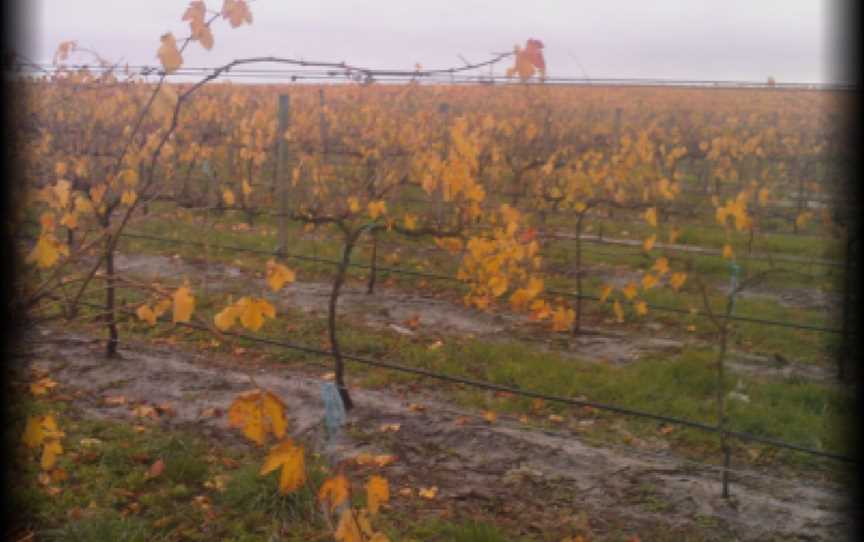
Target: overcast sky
(793, 40)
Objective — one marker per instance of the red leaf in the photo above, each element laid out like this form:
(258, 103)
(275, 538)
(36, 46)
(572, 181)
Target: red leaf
(156, 469)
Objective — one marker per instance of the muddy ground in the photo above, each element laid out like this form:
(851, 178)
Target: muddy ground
(388, 308)
(502, 470)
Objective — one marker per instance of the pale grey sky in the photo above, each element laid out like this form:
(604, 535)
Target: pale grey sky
(693, 39)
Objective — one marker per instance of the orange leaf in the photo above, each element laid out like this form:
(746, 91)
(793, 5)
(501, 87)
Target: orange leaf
(290, 457)
(335, 491)
(377, 493)
(156, 469)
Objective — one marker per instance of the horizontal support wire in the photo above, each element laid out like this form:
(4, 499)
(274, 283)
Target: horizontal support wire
(436, 276)
(482, 384)
(448, 75)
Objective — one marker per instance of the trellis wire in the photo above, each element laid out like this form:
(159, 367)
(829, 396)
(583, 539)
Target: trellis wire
(482, 384)
(435, 276)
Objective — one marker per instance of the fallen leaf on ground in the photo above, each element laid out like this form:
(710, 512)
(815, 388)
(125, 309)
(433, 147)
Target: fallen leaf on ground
(145, 411)
(406, 492)
(156, 469)
(42, 386)
(210, 412)
(428, 492)
(389, 427)
(370, 459)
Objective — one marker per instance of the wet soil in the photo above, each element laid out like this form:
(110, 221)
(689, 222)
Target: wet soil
(503, 469)
(388, 308)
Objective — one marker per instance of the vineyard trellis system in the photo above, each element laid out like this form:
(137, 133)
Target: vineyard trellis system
(491, 386)
(436, 276)
(340, 70)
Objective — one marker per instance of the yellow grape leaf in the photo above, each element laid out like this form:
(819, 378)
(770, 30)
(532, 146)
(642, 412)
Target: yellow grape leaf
(195, 12)
(450, 244)
(290, 457)
(651, 216)
(727, 252)
(347, 530)
(389, 427)
(490, 416)
(146, 314)
(353, 204)
(563, 318)
(129, 176)
(129, 197)
(61, 190)
(247, 188)
(648, 243)
(520, 298)
(168, 53)
(47, 251)
(629, 291)
(254, 311)
(335, 491)
(50, 451)
(42, 386)
(70, 220)
(97, 192)
(83, 205)
(661, 265)
(498, 285)
(376, 209)
(48, 222)
(278, 275)
(258, 413)
(228, 197)
(201, 32)
(381, 460)
(802, 219)
(410, 222)
(677, 280)
(674, 234)
(162, 306)
(763, 196)
(184, 304)
(245, 412)
(428, 492)
(604, 293)
(377, 493)
(648, 281)
(540, 310)
(33, 435)
(237, 12)
(226, 317)
(721, 214)
(641, 308)
(619, 312)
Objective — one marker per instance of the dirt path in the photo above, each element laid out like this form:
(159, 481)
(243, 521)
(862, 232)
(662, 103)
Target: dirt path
(478, 465)
(388, 308)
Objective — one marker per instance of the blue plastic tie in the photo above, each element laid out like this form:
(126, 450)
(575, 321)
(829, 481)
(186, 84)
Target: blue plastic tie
(733, 282)
(334, 410)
